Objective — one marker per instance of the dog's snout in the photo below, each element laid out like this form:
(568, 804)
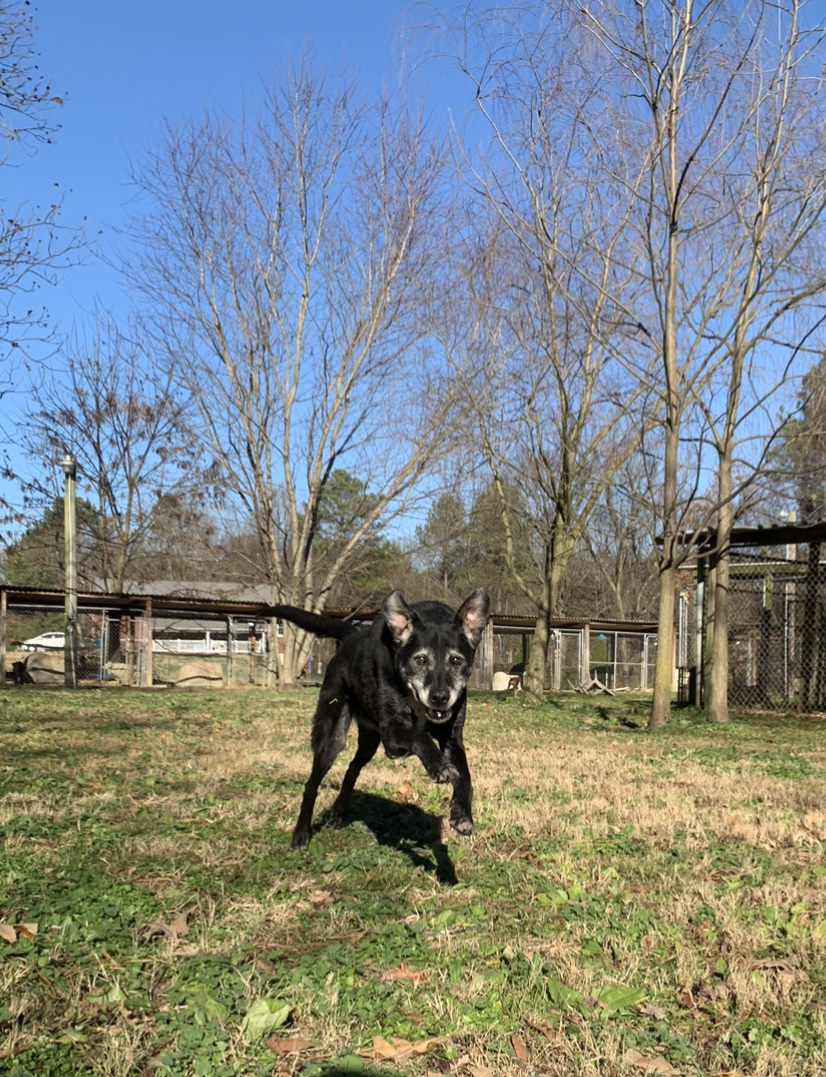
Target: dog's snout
(439, 698)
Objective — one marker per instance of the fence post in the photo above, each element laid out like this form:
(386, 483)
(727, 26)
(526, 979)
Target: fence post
(69, 465)
(3, 610)
(809, 641)
(148, 670)
(695, 698)
(585, 654)
(273, 671)
(252, 652)
(486, 657)
(230, 651)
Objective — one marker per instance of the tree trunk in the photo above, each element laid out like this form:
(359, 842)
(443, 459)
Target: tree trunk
(717, 708)
(663, 671)
(559, 553)
(534, 680)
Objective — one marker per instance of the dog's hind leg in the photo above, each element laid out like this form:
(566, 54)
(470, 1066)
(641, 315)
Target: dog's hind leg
(329, 736)
(369, 741)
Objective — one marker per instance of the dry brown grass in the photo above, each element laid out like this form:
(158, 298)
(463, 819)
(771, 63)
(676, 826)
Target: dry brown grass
(686, 864)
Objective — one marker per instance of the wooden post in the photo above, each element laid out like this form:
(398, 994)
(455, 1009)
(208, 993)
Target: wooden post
(585, 655)
(148, 671)
(809, 637)
(486, 657)
(273, 671)
(695, 696)
(230, 651)
(70, 571)
(3, 611)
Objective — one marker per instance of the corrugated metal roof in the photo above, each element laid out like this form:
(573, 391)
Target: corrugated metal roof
(254, 609)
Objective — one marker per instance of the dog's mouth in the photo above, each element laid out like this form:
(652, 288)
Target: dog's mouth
(425, 712)
(437, 716)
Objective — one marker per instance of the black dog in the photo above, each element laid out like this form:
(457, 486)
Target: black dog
(404, 681)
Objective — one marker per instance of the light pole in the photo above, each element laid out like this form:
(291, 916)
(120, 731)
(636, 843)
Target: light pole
(69, 465)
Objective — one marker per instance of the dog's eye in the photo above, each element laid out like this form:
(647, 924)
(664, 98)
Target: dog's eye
(420, 659)
(455, 660)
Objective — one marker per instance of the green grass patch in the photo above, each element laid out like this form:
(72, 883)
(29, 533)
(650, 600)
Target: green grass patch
(628, 896)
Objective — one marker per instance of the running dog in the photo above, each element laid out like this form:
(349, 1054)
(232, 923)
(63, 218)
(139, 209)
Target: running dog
(403, 680)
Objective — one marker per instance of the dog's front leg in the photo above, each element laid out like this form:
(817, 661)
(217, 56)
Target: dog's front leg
(440, 767)
(460, 817)
(400, 742)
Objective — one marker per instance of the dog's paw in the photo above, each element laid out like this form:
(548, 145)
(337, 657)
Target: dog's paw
(444, 773)
(299, 842)
(460, 820)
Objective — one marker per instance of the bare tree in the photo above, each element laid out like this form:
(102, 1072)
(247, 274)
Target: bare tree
(554, 403)
(287, 261)
(711, 98)
(124, 421)
(775, 269)
(620, 542)
(34, 244)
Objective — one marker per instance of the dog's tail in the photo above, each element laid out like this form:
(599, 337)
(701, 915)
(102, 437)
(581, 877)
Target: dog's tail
(329, 627)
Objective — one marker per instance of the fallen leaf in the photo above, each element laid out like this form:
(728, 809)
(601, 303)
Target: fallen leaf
(384, 1051)
(7, 933)
(319, 898)
(404, 973)
(481, 1071)
(620, 997)
(785, 972)
(549, 1033)
(179, 925)
(263, 1017)
(406, 791)
(28, 931)
(651, 1065)
(161, 929)
(290, 1045)
(519, 1048)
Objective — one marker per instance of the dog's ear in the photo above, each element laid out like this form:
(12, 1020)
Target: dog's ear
(473, 615)
(398, 616)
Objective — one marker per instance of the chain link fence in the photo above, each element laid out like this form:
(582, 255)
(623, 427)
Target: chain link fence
(776, 631)
(114, 647)
(218, 648)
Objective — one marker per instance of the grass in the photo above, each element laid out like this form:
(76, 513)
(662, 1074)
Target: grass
(633, 902)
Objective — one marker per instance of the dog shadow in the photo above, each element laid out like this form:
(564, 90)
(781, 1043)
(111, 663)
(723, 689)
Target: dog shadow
(406, 827)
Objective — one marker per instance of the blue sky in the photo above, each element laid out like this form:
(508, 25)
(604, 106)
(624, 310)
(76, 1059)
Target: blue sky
(123, 66)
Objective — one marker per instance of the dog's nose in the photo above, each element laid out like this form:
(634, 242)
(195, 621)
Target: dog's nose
(439, 700)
